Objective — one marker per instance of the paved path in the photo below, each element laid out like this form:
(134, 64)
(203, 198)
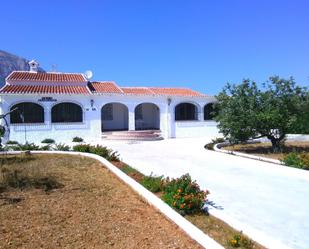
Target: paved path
(267, 201)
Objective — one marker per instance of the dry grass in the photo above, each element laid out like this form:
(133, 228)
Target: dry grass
(264, 149)
(93, 209)
(219, 231)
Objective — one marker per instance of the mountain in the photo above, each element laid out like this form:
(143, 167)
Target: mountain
(10, 62)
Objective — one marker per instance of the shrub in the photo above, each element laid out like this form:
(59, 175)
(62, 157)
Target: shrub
(11, 142)
(48, 141)
(26, 146)
(114, 157)
(61, 147)
(297, 160)
(77, 139)
(102, 151)
(45, 147)
(82, 148)
(183, 194)
(239, 240)
(153, 183)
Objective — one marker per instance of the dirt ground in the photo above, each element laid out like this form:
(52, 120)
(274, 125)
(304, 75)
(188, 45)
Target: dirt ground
(264, 149)
(93, 209)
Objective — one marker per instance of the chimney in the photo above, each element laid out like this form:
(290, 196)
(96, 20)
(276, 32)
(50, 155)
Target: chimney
(33, 66)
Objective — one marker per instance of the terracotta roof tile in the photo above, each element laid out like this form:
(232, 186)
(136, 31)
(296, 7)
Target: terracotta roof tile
(137, 90)
(171, 91)
(20, 89)
(104, 87)
(45, 77)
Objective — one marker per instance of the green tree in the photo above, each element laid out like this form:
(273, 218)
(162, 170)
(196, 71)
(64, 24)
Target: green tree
(246, 112)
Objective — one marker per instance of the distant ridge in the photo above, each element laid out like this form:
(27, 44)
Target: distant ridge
(10, 62)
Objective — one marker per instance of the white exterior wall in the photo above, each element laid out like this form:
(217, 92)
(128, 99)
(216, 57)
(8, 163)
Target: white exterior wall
(90, 128)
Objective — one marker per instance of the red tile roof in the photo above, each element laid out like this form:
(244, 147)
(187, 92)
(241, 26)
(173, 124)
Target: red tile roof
(172, 91)
(21, 89)
(104, 87)
(49, 84)
(137, 90)
(46, 77)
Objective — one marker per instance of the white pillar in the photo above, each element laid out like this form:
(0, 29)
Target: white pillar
(131, 117)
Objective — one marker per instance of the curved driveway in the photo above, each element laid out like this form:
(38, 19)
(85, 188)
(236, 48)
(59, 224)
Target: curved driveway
(268, 202)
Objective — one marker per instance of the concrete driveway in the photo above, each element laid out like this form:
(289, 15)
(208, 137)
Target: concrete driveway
(268, 202)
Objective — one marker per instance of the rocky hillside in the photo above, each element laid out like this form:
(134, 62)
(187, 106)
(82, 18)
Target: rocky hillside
(10, 62)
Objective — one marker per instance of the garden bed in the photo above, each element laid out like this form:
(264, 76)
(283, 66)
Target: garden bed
(63, 201)
(220, 231)
(264, 149)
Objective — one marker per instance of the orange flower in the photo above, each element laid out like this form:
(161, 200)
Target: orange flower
(179, 190)
(182, 206)
(174, 203)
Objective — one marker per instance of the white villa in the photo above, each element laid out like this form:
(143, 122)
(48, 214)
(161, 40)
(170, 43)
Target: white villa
(64, 105)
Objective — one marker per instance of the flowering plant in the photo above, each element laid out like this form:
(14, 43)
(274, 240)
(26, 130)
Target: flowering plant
(183, 194)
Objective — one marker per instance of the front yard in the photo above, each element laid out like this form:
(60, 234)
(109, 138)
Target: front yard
(63, 201)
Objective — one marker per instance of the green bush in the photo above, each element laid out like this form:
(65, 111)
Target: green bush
(102, 151)
(48, 141)
(45, 147)
(26, 146)
(153, 183)
(82, 148)
(11, 142)
(297, 160)
(239, 240)
(61, 147)
(77, 139)
(184, 195)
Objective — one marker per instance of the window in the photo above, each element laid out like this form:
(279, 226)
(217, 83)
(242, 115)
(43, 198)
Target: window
(27, 112)
(107, 112)
(185, 111)
(66, 113)
(209, 111)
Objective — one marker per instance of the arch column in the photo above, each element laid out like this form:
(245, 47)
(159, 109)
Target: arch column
(131, 117)
(200, 114)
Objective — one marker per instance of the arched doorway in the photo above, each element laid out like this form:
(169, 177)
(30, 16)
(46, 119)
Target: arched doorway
(209, 111)
(147, 117)
(114, 117)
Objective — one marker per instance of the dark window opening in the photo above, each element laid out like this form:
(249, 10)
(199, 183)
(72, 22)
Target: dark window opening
(209, 112)
(27, 112)
(139, 112)
(107, 112)
(185, 111)
(66, 113)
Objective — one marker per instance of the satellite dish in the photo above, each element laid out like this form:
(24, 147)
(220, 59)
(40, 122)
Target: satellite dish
(88, 74)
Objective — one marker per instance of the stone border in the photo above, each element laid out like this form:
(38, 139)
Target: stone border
(217, 147)
(191, 230)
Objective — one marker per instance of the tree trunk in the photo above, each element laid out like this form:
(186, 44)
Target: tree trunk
(276, 143)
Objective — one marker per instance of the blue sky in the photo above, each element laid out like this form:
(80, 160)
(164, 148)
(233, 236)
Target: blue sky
(196, 44)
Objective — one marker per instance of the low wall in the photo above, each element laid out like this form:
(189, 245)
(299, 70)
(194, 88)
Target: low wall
(35, 133)
(187, 129)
